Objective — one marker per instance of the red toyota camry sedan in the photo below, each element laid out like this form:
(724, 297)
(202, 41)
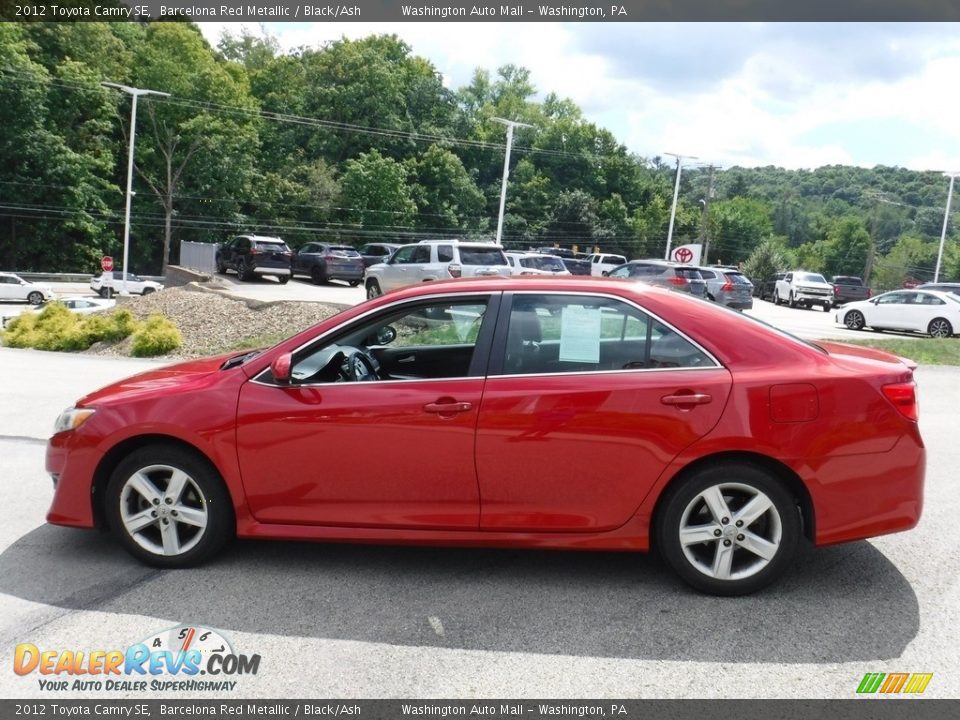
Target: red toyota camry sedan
(544, 412)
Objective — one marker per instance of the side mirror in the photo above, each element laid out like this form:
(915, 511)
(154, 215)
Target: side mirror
(386, 335)
(280, 368)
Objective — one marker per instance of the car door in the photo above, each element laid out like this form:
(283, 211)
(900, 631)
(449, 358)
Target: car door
(584, 407)
(398, 271)
(10, 288)
(894, 311)
(396, 452)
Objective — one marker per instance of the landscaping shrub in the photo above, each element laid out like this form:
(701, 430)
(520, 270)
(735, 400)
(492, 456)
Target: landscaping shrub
(157, 336)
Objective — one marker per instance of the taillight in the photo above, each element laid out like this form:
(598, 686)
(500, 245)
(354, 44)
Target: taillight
(727, 286)
(836, 290)
(455, 270)
(904, 398)
(869, 293)
(678, 280)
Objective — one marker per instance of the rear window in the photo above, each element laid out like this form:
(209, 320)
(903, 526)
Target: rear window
(271, 246)
(343, 251)
(482, 256)
(738, 278)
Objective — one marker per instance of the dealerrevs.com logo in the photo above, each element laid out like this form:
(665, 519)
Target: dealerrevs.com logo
(894, 683)
(181, 658)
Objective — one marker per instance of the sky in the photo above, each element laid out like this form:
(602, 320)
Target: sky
(793, 95)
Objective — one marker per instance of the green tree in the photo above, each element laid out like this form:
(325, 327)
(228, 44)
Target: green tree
(377, 195)
(769, 257)
(445, 194)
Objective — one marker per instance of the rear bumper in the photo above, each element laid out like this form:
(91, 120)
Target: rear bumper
(263, 270)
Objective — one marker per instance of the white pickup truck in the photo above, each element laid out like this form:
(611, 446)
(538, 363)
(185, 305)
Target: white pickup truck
(801, 288)
(603, 263)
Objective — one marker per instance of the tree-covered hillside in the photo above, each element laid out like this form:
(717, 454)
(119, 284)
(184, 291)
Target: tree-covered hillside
(360, 140)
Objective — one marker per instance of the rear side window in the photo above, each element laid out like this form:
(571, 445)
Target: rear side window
(688, 273)
(445, 253)
(482, 256)
(644, 270)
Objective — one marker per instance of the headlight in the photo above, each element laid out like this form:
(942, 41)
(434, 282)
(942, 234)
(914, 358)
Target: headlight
(72, 418)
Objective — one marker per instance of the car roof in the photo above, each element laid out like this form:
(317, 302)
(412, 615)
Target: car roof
(262, 238)
(927, 286)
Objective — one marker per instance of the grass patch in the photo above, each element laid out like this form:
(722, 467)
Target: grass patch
(925, 351)
(259, 341)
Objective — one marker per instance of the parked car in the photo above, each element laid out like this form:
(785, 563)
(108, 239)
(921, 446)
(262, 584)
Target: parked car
(323, 262)
(849, 288)
(804, 289)
(253, 256)
(576, 263)
(15, 288)
(108, 284)
(728, 286)
(531, 263)
(718, 440)
(769, 286)
(950, 287)
(373, 253)
(435, 260)
(665, 273)
(931, 312)
(602, 263)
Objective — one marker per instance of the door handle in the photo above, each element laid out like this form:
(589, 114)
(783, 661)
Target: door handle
(681, 399)
(447, 408)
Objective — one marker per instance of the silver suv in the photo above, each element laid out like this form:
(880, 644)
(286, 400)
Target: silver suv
(671, 275)
(728, 286)
(435, 260)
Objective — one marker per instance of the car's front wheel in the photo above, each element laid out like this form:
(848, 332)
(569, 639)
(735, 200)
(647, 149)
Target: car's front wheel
(168, 507)
(940, 328)
(147, 291)
(373, 289)
(854, 320)
(35, 298)
(729, 529)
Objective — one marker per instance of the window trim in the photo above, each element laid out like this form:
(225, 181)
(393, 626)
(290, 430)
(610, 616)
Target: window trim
(498, 348)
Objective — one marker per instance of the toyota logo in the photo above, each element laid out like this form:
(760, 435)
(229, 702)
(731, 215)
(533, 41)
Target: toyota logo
(683, 255)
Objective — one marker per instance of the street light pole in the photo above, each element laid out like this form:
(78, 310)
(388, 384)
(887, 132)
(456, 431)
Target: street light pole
(511, 124)
(135, 93)
(946, 219)
(676, 192)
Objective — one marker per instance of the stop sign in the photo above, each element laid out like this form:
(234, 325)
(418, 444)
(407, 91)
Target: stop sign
(106, 263)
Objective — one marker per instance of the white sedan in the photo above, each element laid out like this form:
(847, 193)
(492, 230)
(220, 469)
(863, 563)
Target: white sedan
(86, 305)
(13, 287)
(533, 263)
(925, 311)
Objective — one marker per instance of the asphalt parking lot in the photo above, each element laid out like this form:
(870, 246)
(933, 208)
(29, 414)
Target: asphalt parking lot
(365, 621)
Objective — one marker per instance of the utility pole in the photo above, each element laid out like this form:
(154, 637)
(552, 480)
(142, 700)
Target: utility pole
(705, 223)
(676, 192)
(134, 93)
(946, 218)
(511, 124)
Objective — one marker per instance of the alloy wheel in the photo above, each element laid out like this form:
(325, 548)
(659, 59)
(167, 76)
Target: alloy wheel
(163, 510)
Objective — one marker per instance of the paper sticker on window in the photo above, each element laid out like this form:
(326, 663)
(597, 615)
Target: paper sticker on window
(580, 335)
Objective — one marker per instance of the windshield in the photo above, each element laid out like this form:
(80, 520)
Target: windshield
(551, 264)
(811, 278)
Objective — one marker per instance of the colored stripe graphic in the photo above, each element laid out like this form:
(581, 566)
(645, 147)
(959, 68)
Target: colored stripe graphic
(894, 683)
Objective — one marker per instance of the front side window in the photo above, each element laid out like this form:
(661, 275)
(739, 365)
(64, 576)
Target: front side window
(420, 341)
(404, 256)
(897, 298)
(566, 333)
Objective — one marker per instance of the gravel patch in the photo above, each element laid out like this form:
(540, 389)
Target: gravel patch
(213, 323)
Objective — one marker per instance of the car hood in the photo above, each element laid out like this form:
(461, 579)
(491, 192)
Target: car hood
(185, 376)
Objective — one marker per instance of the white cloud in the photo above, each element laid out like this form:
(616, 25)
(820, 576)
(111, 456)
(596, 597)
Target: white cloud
(789, 95)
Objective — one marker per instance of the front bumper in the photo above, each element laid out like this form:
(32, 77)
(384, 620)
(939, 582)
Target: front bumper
(72, 463)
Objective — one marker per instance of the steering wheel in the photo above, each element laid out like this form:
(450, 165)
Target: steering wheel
(358, 366)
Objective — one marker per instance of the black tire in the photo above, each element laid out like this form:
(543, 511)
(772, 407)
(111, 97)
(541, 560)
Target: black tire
(354, 283)
(826, 307)
(147, 291)
(854, 320)
(245, 272)
(107, 293)
(35, 298)
(373, 289)
(203, 493)
(940, 328)
(791, 301)
(776, 298)
(221, 268)
(283, 279)
(317, 275)
(776, 531)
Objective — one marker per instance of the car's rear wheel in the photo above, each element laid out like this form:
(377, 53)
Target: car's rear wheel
(283, 279)
(317, 275)
(168, 507)
(354, 283)
(373, 289)
(729, 529)
(854, 320)
(35, 298)
(246, 272)
(940, 328)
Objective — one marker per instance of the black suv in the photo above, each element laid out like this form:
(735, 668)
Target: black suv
(255, 256)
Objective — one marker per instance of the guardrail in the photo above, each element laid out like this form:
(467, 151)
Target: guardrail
(70, 277)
